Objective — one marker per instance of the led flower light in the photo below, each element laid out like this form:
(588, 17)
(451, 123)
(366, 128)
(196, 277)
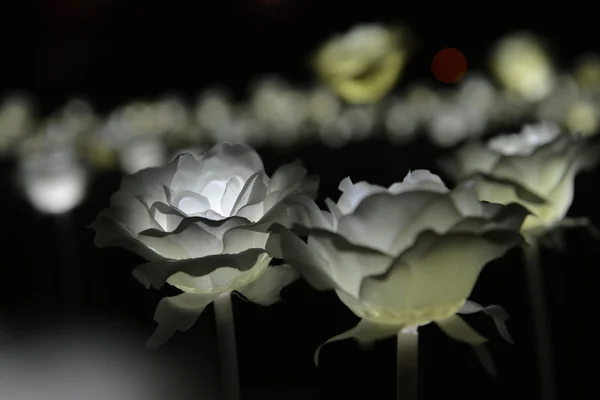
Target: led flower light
(54, 181)
(16, 119)
(362, 65)
(522, 65)
(201, 222)
(404, 256)
(535, 168)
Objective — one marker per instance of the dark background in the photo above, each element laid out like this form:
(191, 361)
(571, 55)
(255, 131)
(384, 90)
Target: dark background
(115, 51)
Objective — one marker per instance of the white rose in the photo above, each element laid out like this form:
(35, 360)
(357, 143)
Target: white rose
(362, 65)
(535, 168)
(202, 223)
(404, 256)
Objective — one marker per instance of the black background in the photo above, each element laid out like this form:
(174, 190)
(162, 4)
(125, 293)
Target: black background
(121, 50)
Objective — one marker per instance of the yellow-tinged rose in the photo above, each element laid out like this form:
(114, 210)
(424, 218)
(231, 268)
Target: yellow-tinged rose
(362, 65)
(535, 168)
(522, 65)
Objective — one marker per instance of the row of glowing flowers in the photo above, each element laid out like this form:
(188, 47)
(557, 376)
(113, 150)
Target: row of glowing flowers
(280, 114)
(399, 257)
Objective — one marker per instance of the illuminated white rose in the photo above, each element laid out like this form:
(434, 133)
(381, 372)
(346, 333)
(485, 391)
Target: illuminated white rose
(535, 168)
(403, 256)
(362, 65)
(202, 223)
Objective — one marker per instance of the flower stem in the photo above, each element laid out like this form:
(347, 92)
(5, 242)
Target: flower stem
(227, 347)
(407, 366)
(541, 325)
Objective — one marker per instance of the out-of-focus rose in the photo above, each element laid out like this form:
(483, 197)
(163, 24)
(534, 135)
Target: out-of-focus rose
(522, 65)
(535, 168)
(404, 256)
(362, 65)
(202, 221)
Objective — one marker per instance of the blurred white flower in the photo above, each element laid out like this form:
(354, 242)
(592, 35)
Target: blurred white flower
(202, 223)
(477, 93)
(172, 118)
(281, 108)
(535, 168)
(400, 122)
(54, 181)
(77, 116)
(214, 113)
(362, 65)
(403, 256)
(454, 122)
(324, 107)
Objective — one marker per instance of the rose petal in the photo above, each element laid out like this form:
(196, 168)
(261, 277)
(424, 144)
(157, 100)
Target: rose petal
(379, 218)
(458, 330)
(232, 191)
(217, 228)
(178, 313)
(365, 332)
(110, 233)
(239, 239)
(148, 183)
(354, 194)
(286, 176)
(438, 215)
(195, 241)
(253, 192)
(418, 279)
(130, 211)
(224, 279)
(190, 203)
(221, 162)
(168, 216)
(156, 273)
(469, 159)
(496, 312)
(508, 217)
(419, 180)
(283, 243)
(347, 264)
(265, 290)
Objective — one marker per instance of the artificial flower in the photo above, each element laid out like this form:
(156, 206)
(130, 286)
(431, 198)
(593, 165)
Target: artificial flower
(404, 256)
(362, 65)
(202, 223)
(522, 65)
(535, 168)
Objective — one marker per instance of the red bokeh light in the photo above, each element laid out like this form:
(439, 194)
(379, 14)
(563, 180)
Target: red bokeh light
(449, 65)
